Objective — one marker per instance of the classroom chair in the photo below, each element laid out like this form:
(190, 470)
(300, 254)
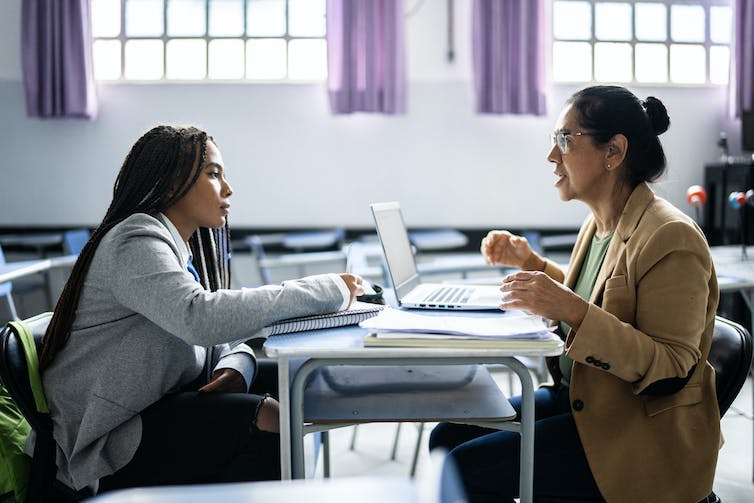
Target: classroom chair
(731, 357)
(74, 241)
(5, 291)
(15, 374)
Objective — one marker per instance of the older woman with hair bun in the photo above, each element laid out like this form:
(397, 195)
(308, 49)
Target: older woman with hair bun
(632, 414)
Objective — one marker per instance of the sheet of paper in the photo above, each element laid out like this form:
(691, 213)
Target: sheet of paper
(395, 320)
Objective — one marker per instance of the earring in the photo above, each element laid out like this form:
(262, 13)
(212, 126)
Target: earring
(608, 167)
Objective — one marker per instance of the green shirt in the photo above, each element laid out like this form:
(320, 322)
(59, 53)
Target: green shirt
(584, 286)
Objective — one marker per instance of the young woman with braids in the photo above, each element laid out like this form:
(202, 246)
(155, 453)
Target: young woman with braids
(145, 382)
(632, 415)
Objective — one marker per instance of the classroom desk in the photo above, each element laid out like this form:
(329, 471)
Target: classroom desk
(345, 490)
(14, 270)
(344, 346)
(40, 242)
(735, 273)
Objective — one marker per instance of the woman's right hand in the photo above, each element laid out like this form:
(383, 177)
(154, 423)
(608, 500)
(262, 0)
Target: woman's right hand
(355, 285)
(268, 417)
(506, 249)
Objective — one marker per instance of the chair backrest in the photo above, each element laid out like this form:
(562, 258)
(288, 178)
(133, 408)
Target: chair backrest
(15, 372)
(5, 288)
(74, 240)
(730, 355)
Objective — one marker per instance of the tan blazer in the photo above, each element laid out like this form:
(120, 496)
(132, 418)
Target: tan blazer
(650, 317)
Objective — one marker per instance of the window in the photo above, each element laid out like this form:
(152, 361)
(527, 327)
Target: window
(642, 41)
(150, 40)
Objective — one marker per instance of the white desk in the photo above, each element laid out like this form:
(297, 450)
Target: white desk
(40, 242)
(14, 270)
(344, 346)
(344, 490)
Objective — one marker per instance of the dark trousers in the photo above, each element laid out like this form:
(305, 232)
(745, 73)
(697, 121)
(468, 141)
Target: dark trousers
(488, 460)
(193, 437)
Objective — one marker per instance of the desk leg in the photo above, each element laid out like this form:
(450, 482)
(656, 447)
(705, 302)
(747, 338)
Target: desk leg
(526, 482)
(285, 418)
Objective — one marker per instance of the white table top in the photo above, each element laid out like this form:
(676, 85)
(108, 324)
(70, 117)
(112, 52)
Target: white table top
(348, 342)
(14, 270)
(342, 490)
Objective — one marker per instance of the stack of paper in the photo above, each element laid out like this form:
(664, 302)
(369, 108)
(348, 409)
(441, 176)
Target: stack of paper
(393, 327)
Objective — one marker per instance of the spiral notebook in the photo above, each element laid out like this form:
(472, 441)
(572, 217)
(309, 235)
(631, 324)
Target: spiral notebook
(358, 312)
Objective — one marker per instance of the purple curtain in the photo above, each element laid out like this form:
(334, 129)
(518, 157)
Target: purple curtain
(743, 57)
(56, 45)
(509, 56)
(365, 56)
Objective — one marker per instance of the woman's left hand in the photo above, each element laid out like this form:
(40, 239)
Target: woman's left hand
(225, 381)
(537, 293)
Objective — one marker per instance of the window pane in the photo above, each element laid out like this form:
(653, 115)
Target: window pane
(720, 24)
(144, 59)
(572, 20)
(688, 64)
(651, 63)
(105, 18)
(265, 59)
(613, 62)
(106, 56)
(572, 61)
(186, 59)
(719, 64)
(306, 18)
(307, 59)
(651, 21)
(226, 59)
(144, 18)
(186, 18)
(612, 21)
(687, 23)
(226, 18)
(265, 18)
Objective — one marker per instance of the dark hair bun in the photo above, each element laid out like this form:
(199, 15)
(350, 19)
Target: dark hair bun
(658, 115)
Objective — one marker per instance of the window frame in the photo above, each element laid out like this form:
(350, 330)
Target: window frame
(122, 38)
(668, 42)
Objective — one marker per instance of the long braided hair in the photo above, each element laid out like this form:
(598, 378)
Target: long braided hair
(160, 169)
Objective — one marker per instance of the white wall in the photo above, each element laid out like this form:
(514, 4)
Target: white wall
(292, 164)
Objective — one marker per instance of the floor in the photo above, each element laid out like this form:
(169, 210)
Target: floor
(371, 455)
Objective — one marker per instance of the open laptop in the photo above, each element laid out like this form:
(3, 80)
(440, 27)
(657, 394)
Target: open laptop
(409, 290)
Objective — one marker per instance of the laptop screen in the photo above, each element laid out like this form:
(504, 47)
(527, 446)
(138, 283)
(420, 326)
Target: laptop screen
(395, 243)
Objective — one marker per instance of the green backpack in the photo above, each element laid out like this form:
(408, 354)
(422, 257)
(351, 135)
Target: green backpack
(14, 464)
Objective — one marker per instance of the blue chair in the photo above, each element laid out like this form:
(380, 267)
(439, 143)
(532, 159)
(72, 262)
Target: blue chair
(74, 241)
(6, 289)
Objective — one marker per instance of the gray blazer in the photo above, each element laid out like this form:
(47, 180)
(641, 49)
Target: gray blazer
(140, 319)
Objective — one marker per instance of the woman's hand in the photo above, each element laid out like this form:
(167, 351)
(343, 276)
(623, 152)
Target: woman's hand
(537, 293)
(504, 248)
(355, 285)
(225, 380)
(268, 417)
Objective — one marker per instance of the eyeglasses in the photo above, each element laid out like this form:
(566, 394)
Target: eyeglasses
(559, 138)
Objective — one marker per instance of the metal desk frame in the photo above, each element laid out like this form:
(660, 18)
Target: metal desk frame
(344, 346)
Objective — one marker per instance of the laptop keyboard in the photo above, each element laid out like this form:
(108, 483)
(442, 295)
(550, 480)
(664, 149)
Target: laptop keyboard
(449, 295)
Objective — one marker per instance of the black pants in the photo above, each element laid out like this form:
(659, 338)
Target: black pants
(489, 460)
(193, 437)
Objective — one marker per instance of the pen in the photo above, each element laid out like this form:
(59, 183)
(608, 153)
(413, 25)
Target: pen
(348, 257)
